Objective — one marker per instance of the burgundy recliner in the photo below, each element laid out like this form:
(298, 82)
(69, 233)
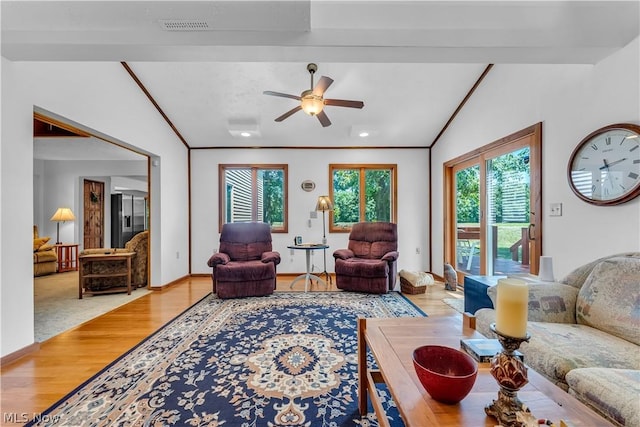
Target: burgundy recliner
(369, 264)
(245, 264)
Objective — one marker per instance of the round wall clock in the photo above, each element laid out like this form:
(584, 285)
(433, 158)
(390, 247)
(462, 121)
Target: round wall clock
(604, 169)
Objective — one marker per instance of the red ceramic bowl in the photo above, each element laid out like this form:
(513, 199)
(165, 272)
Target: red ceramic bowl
(446, 373)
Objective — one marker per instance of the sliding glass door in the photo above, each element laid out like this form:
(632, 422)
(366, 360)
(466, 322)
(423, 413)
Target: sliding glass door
(508, 196)
(492, 198)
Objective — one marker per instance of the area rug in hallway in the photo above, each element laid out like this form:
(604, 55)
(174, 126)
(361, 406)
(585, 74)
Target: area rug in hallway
(287, 359)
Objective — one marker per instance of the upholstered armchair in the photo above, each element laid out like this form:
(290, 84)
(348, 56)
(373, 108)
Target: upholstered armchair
(369, 262)
(246, 263)
(139, 264)
(45, 257)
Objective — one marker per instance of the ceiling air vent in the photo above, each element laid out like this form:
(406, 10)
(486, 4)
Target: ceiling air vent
(185, 25)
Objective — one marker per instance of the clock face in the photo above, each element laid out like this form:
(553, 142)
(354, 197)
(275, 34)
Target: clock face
(605, 167)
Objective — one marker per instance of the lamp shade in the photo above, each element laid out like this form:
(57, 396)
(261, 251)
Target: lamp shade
(310, 103)
(324, 204)
(63, 214)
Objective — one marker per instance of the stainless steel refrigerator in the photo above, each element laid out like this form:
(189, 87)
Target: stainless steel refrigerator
(129, 216)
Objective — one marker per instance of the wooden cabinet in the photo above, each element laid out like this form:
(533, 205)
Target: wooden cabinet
(88, 271)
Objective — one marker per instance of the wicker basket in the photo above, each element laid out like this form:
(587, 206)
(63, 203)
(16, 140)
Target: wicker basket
(408, 288)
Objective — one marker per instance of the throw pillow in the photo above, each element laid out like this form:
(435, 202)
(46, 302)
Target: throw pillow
(609, 300)
(39, 242)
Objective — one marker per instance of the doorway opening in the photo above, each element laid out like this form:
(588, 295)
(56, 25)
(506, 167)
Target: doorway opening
(81, 169)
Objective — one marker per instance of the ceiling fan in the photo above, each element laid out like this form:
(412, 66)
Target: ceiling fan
(311, 100)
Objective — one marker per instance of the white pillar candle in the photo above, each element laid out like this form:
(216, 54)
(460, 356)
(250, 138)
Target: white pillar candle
(512, 307)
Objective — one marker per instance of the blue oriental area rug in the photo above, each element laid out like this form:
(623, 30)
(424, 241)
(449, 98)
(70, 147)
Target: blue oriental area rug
(289, 359)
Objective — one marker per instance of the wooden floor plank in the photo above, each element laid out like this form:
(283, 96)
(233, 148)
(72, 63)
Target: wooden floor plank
(34, 382)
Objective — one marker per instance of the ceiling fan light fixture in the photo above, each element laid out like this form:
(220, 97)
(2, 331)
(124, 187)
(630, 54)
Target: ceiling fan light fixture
(310, 103)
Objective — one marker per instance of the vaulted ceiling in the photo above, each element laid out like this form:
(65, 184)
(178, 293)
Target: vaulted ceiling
(207, 63)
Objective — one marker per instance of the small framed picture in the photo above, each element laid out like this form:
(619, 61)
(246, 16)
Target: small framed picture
(298, 240)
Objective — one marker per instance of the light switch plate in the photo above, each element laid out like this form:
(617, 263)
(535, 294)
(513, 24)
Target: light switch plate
(555, 209)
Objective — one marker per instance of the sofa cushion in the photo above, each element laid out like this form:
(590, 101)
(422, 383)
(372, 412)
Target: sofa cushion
(578, 276)
(609, 299)
(39, 242)
(552, 303)
(557, 348)
(365, 268)
(548, 302)
(611, 392)
(247, 271)
(45, 256)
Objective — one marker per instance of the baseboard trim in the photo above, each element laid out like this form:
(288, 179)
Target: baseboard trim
(12, 357)
(176, 282)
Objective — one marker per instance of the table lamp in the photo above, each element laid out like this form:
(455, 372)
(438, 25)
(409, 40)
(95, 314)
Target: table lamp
(62, 215)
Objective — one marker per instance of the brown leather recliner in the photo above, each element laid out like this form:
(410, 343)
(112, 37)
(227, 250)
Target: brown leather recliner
(246, 263)
(369, 263)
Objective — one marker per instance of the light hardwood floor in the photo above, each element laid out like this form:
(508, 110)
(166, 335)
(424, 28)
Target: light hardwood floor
(36, 381)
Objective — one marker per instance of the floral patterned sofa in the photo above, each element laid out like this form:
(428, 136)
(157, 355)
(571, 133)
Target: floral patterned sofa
(585, 335)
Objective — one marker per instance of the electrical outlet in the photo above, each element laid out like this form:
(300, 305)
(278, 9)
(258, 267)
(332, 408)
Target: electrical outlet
(555, 209)
(417, 251)
(177, 255)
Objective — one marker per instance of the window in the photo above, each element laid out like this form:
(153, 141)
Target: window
(362, 193)
(254, 193)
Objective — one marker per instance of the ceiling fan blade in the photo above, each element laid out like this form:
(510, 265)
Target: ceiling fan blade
(322, 85)
(344, 103)
(324, 120)
(283, 95)
(288, 113)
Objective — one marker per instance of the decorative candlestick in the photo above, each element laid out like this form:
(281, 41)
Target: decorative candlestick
(511, 375)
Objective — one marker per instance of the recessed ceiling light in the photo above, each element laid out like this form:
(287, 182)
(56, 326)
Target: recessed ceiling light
(244, 128)
(363, 130)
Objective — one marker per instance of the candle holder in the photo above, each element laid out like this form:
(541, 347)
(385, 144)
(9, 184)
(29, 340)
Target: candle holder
(511, 375)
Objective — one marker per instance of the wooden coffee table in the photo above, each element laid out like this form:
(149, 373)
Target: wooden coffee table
(392, 342)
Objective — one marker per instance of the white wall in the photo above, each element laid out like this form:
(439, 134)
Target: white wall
(306, 164)
(571, 101)
(102, 97)
(60, 184)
